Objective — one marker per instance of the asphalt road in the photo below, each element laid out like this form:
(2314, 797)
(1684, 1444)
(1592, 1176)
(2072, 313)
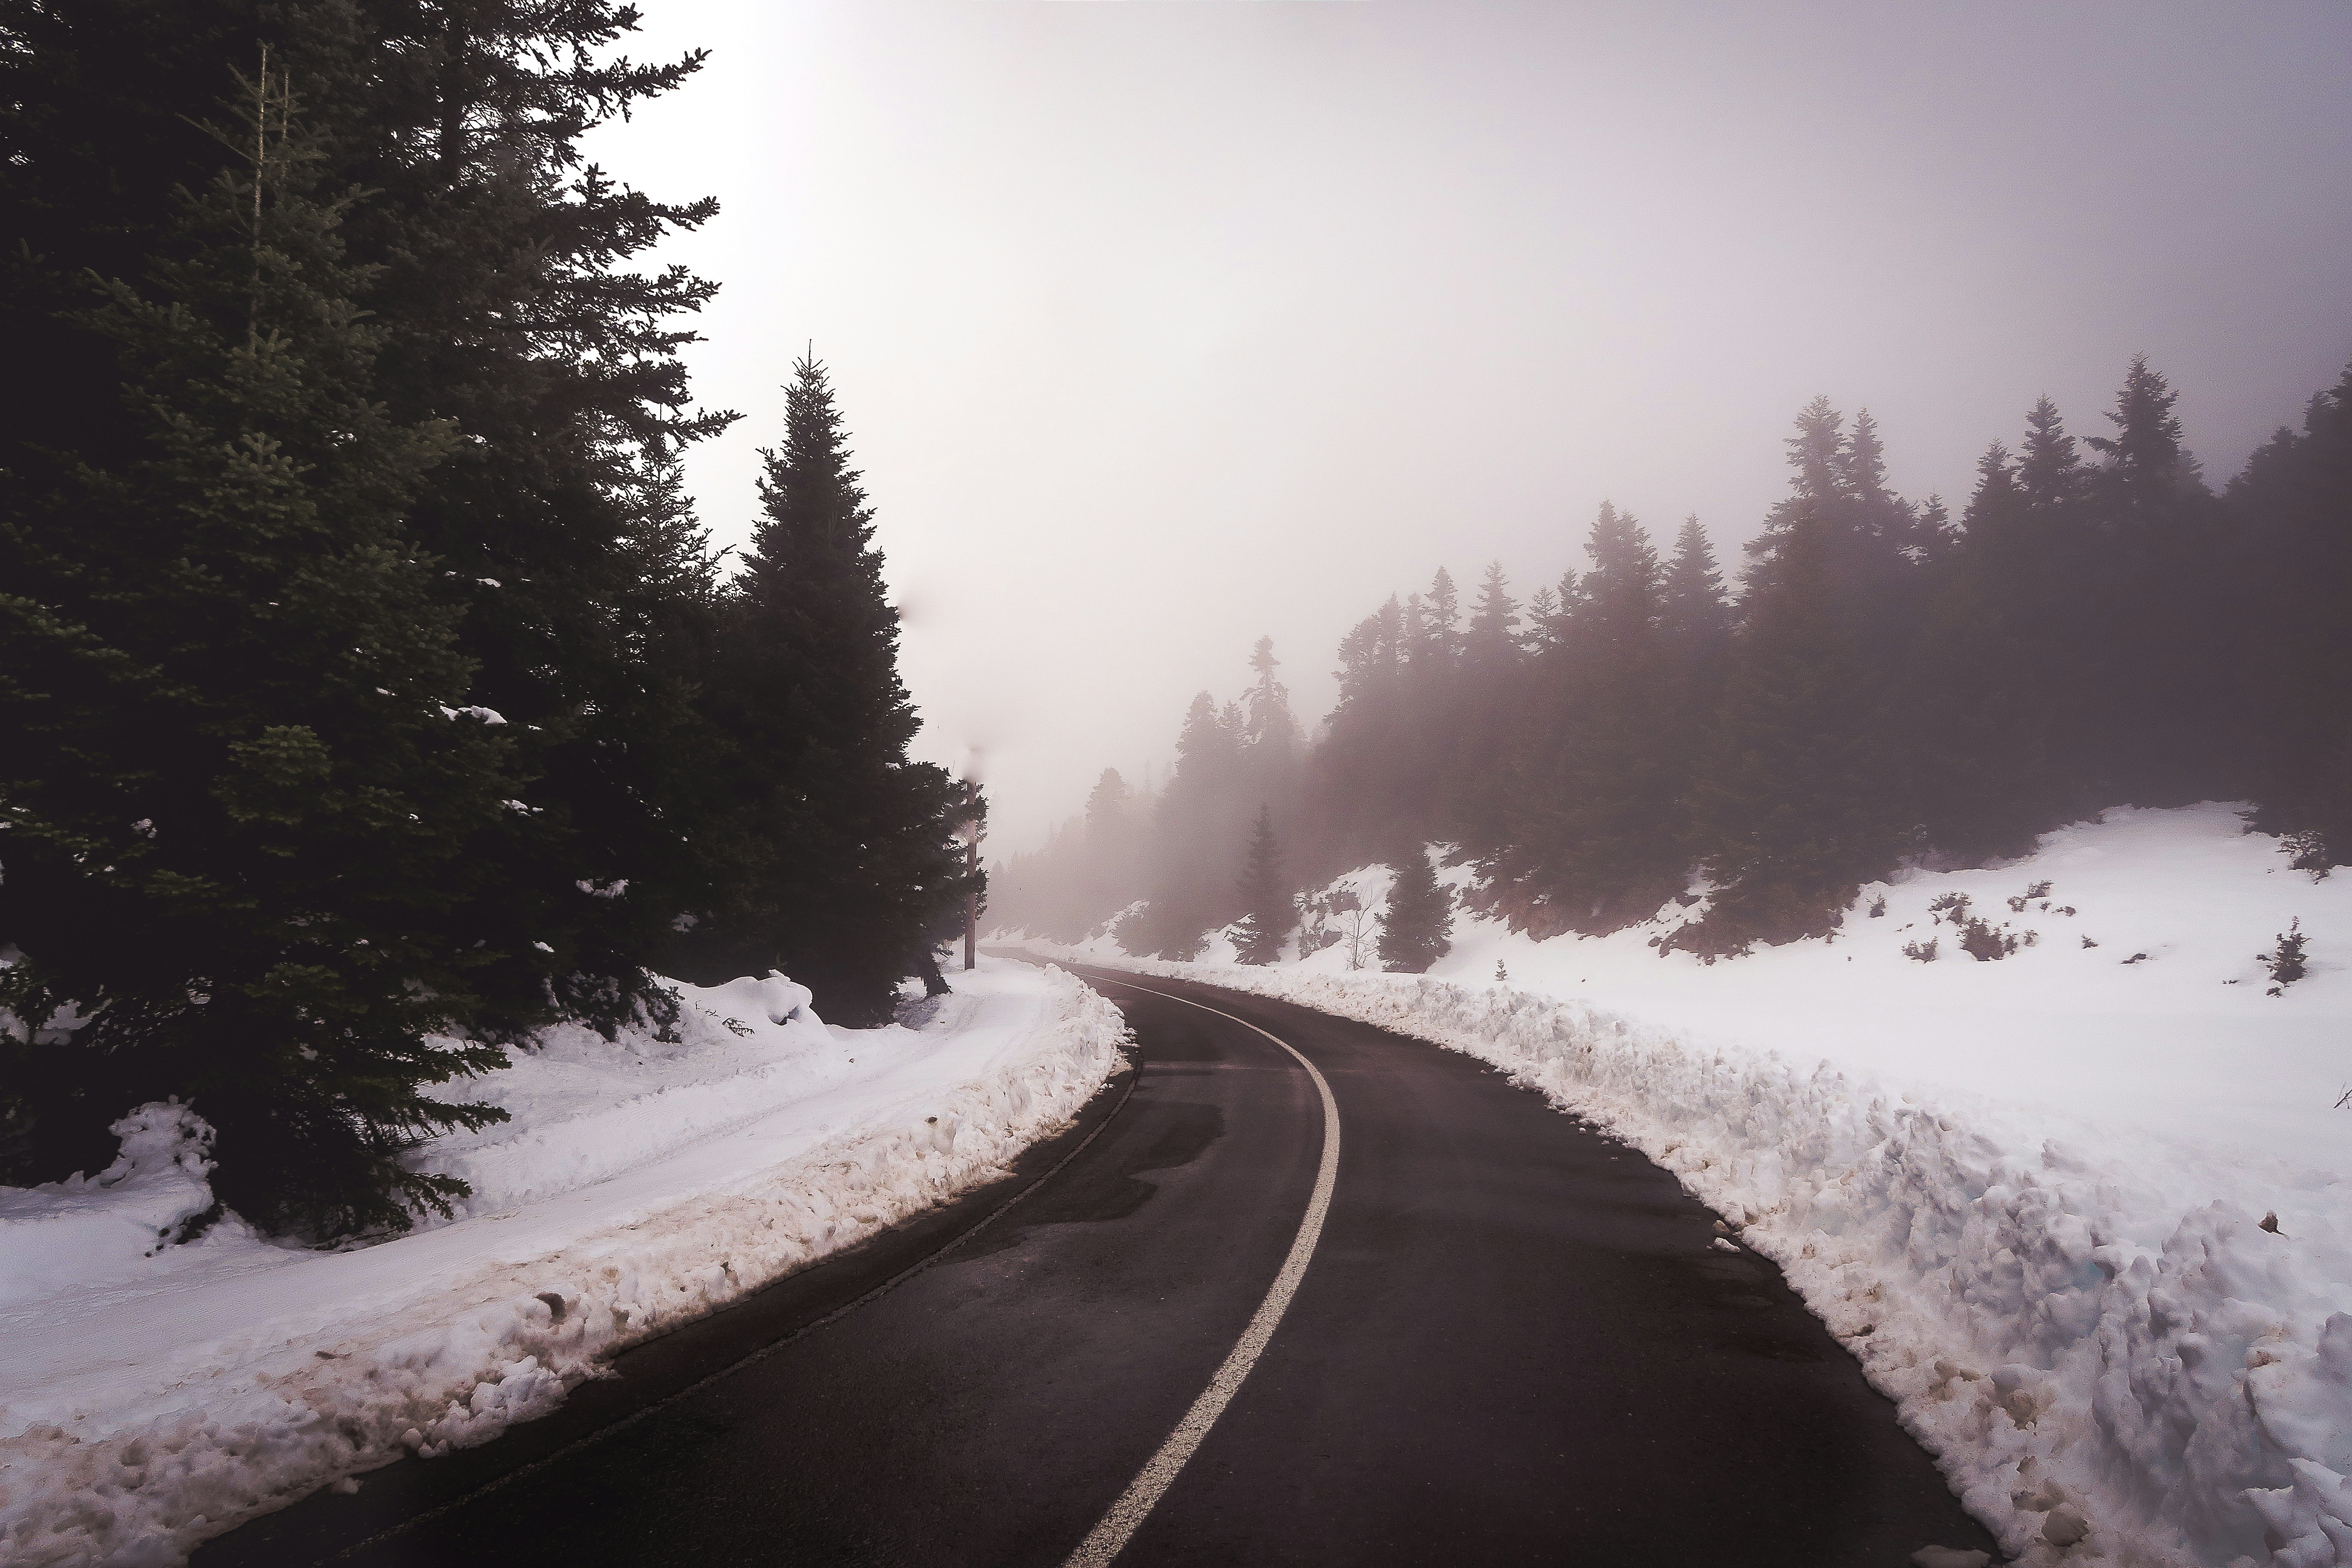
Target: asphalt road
(1514, 1343)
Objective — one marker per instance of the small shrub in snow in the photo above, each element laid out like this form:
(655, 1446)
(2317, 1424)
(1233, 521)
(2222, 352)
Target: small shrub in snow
(2286, 961)
(1357, 926)
(1925, 951)
(1953, 904)
(2308, 852)
(1980, 941)
(1878, 906)
(2087, 942)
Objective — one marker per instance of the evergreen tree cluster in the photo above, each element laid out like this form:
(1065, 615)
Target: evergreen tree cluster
(1888, 683)
(370, 696)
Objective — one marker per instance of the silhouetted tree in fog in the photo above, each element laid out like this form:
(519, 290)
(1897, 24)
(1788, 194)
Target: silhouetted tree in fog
(1888, 684)
(2162, 732)
(1593, 834)
(2294, 502)
(1794, 807)
(1269, 915)
(1418, 928)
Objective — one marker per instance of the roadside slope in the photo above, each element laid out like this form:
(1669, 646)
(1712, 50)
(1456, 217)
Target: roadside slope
(2112, 1355)
(154, 1408)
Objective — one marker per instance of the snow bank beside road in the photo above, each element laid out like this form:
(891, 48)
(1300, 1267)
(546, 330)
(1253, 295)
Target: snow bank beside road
(2114, 1360)
(148, 1403)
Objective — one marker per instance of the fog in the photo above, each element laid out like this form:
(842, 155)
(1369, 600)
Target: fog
(1161, 327)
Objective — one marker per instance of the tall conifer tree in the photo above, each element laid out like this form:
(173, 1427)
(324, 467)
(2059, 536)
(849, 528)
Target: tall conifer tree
(1418, 928)
(248, 820)
(2165, 732)
(1269, 916)
(847, 846)
(1798, 802)
(2294, 503)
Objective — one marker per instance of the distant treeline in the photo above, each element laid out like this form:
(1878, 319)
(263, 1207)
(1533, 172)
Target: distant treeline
(370, 697)
(2098, 628)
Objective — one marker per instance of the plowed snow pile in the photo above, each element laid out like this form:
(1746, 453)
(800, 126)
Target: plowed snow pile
(2083, 1214)
(151, 1395)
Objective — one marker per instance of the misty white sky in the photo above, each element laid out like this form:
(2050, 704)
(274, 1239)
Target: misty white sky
(1162, 327)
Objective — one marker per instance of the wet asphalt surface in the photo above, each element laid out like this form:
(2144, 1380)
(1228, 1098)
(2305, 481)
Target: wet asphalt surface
(1516, 1343)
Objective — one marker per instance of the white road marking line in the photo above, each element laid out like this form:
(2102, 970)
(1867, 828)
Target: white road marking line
(1160, 1472)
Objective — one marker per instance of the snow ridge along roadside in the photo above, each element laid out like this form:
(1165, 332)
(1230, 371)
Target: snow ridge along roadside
(146, 1412)
(2113, 1360)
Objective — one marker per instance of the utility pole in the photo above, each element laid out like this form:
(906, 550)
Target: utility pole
(973, 830)
(971, 900)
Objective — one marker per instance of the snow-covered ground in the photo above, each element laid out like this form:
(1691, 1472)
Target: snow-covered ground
(2030, 1194)
(151, 1396)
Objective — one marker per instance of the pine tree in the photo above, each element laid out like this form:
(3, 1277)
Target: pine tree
(247, 814)
(1425, 731)
(2049, 471)
(2295, 648)
(847, 847)
(1192, 865)
(1268, 723)
(2165, 729)
(505, 288)
(1355, 794)
(2146, 448)
(1985, 721)
(1594, 839)
(514, 301)
(1691, 607)
(1108, 804)
(1542, 621)
(1694, 633)
(1112, 855)
(1490, 646)
(1442, 629)
(1486, 700)
(1268, 913)
(1793, 811)
(1418, 928)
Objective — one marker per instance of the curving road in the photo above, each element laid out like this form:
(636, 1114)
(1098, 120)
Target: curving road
(1482, 1333)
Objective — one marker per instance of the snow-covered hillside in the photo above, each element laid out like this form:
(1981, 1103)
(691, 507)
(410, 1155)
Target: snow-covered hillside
(151, 1396)
(2184, 1040)
(2085, 1214)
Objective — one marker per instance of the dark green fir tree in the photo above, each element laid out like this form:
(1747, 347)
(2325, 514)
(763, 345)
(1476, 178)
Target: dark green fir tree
(1596, 838)
(2294, 505)
(250, 798)
(1790, 816)
(1268, 914)
(1418, 927)
(847, 850)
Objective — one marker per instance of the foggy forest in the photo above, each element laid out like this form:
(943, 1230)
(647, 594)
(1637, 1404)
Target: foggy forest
(1878, 681)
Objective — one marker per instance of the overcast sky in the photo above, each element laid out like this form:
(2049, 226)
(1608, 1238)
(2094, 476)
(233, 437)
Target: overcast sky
(1162, 327)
